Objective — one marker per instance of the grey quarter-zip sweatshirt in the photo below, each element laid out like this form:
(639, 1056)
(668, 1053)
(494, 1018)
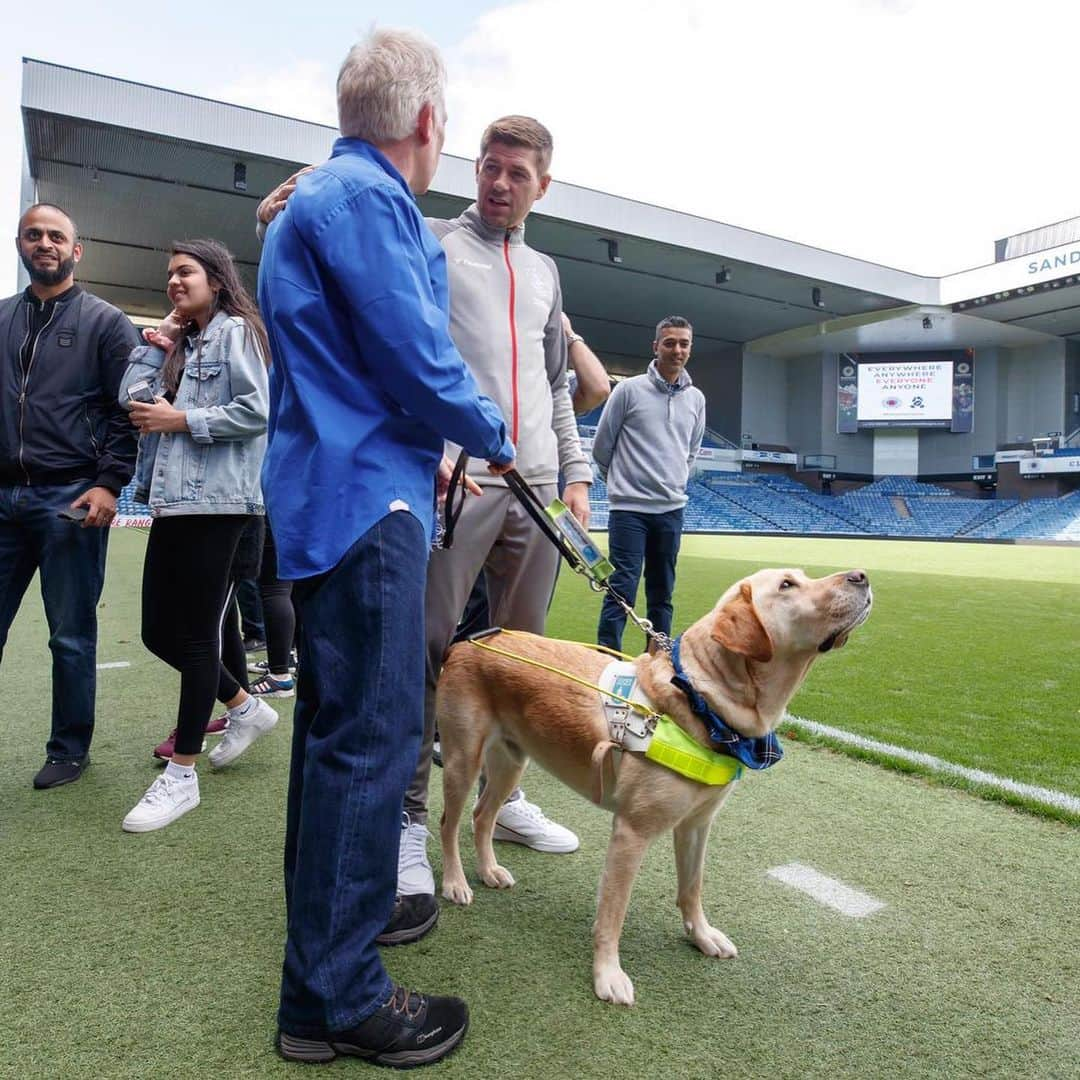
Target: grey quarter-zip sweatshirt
(648, 436)
(506, 320)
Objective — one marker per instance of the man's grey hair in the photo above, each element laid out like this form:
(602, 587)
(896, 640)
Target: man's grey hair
(384, 83)
(669, 322)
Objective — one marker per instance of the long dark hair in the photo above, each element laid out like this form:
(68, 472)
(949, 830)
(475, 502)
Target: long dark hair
(231, 298)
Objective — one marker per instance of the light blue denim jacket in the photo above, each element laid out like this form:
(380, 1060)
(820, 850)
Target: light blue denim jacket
(214, 467)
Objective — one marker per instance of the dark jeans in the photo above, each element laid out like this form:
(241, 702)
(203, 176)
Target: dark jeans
(356, 736)
(71, 561)
(635, 538)
(477, 614)
(187, 595)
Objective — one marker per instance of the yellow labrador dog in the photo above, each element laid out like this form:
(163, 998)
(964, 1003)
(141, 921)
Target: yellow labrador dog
(746, 659)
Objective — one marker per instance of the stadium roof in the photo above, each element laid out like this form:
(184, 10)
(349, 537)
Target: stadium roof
(139, 166)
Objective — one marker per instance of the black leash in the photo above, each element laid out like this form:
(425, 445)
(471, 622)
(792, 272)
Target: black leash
(538, 512)
(450, 513)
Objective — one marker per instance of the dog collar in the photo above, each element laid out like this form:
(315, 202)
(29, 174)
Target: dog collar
(756, 753)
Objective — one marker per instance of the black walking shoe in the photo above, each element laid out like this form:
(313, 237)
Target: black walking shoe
(412, 918)
(55, 773)
(407, 1030)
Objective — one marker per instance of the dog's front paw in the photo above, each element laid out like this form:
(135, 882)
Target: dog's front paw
(614, 985)
(713, 943)
(497, 877)
(457, 891)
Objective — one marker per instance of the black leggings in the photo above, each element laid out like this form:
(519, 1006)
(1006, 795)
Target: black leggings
(186, 594)
(279, 617)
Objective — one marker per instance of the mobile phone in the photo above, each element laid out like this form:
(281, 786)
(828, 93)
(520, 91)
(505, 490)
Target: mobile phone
(75, 514)
(141, 391)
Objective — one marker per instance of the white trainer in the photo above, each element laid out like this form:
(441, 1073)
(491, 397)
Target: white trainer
(523, 822)
(165, 800)
(241, 733)
(414, 876)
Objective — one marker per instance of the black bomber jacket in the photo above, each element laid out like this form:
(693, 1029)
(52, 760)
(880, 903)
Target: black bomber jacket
(60, 420)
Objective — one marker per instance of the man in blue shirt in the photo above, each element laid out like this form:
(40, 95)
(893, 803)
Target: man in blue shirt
(366, 386)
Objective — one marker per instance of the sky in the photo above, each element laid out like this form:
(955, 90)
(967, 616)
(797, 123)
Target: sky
(912, 133)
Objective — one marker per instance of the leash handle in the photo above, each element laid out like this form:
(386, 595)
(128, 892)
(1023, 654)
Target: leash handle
(450, 514)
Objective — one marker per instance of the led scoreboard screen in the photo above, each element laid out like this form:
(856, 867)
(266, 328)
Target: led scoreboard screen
(916, 389)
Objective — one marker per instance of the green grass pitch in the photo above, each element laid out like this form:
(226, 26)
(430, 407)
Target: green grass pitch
(159, 955)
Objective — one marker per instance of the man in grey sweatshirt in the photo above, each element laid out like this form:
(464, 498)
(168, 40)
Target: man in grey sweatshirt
(648, 436)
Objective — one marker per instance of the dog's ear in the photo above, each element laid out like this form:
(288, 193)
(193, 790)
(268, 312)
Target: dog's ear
(738, 628)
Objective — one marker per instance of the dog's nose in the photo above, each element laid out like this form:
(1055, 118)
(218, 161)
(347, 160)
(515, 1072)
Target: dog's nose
(858, 577)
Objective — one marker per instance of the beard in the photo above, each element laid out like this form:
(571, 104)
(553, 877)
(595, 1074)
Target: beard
(41, 276)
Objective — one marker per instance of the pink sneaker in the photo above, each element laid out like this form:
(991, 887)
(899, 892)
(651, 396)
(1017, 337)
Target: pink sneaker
(218, 725)
(165, 750)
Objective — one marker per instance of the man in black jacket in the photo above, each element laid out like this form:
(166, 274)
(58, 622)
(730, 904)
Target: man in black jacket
(66, 446)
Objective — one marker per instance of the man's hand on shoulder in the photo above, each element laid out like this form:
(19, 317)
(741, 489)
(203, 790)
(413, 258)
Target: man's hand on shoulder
(576, 497)
(275, 202)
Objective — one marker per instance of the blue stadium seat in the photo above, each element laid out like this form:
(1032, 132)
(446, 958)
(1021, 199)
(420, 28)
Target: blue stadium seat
(891, 506)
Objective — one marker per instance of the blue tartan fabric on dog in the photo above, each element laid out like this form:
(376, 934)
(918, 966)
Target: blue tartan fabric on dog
(756, 753)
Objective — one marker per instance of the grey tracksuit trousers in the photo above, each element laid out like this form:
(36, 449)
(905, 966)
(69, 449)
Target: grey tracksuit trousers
(496, 535)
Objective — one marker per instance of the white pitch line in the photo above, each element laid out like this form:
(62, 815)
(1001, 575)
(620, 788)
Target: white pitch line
(826, 890)
(1047, 796)
(114, 664)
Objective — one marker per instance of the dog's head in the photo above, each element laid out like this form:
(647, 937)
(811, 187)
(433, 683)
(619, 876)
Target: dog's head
(783, 613)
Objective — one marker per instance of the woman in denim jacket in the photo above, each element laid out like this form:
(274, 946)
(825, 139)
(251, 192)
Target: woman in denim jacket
(200, 453)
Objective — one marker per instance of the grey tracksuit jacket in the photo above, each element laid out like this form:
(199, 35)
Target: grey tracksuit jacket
(506, 320)
(648, 436)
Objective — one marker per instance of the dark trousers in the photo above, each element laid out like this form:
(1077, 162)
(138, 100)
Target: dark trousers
(477, 613)
(233, 653)
(71, 561)
(634, 539)
(279, 615)
(356, 735)
(187, 594)
(251, 612)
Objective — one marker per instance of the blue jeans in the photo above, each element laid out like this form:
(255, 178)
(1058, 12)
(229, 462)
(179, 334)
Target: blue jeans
(356, 736)
(635, 538)
(71, 561)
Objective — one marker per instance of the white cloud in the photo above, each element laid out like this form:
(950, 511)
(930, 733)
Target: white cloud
(304, 91)
(908, 132)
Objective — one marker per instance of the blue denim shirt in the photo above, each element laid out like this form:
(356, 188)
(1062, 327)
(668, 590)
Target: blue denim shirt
(213, 468)
(366, 382)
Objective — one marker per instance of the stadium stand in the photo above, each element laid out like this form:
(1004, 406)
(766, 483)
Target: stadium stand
(894, 506)
(1033, 519)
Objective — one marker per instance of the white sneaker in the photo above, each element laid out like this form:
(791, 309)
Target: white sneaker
(414, 876)
(165, 800)
(523, 822)
(241, 733)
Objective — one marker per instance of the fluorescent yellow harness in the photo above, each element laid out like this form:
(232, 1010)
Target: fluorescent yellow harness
(665, 742)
